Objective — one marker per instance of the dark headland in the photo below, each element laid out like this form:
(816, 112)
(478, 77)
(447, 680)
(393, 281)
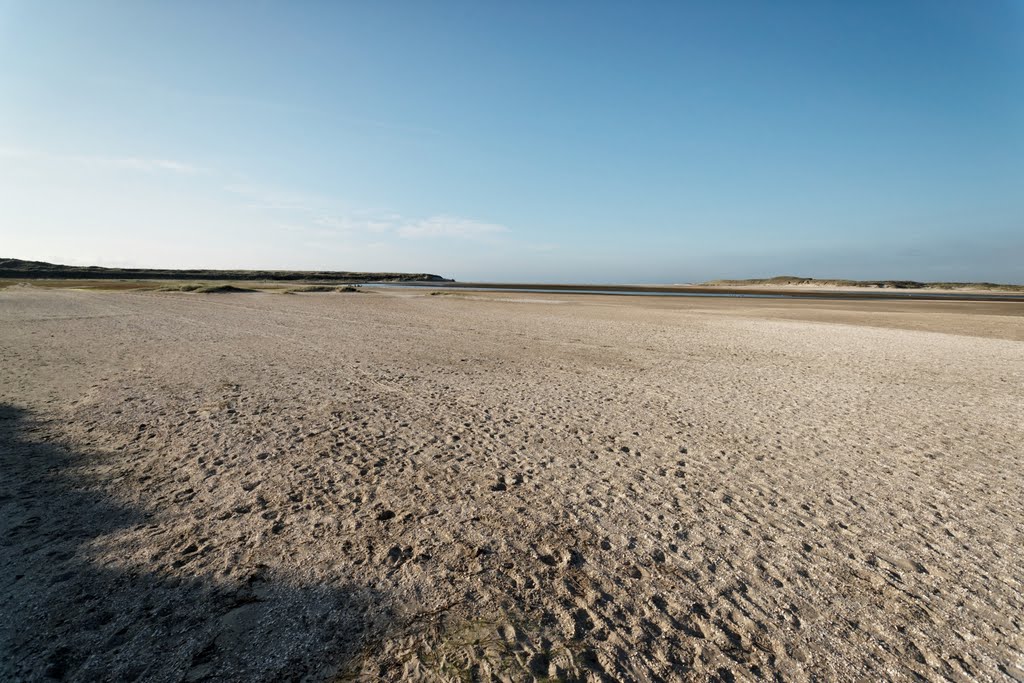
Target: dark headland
(11, 268)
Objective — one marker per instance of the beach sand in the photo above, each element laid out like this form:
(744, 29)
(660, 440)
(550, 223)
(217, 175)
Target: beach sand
(393, 485)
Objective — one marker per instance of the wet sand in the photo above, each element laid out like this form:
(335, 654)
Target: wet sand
(394, 485)
(749, 290)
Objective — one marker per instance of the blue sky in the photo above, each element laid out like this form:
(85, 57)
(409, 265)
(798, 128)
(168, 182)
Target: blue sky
(559, 142)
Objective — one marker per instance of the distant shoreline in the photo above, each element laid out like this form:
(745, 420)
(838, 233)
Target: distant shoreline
(784, 286)
(17, 269)
(723, 290)
(788, 281)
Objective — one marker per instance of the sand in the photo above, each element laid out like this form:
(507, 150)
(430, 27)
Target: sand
(393, 485)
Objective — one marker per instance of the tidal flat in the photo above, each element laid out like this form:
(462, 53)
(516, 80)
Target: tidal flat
(508, 486)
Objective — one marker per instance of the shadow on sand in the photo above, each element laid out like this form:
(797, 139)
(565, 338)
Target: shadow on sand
(66, 616)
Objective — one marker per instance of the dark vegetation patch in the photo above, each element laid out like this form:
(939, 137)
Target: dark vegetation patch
(179, 288)
(323, 288)
(221, 289)
(314, 288)
(205, 289)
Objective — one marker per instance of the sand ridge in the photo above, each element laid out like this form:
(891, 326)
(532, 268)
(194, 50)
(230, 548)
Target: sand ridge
(327, 487)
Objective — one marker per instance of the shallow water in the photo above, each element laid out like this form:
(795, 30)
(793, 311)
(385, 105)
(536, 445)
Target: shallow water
(722, 295)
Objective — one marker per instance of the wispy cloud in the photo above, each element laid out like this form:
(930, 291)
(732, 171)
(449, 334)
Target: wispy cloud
(316, 216)
(138, 164)
(357, 223)
(390, 223)
(323, 217)
(143, 164)
(449, 226)
(260, 197)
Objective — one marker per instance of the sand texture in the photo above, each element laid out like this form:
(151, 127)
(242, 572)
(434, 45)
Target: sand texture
(393, 485)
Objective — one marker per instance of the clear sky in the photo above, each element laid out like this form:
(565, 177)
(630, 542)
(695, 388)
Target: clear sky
(543, 141)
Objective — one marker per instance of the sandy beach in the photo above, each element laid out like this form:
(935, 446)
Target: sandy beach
(506, 486)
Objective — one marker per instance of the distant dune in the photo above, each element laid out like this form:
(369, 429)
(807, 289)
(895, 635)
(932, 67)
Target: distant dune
(17, 268)
(796, 281)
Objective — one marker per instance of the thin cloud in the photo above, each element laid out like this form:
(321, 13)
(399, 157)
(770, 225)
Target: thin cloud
(356, 223)
(449, 226)
(296, 211)
(137, 164)
(148, 165)
(323, 221)
(261, 197)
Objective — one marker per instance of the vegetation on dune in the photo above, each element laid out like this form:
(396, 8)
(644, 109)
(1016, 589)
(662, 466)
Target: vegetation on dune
(221, 289)
(313, 288)
(179, 288)
(322, 288)
(204, 289)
